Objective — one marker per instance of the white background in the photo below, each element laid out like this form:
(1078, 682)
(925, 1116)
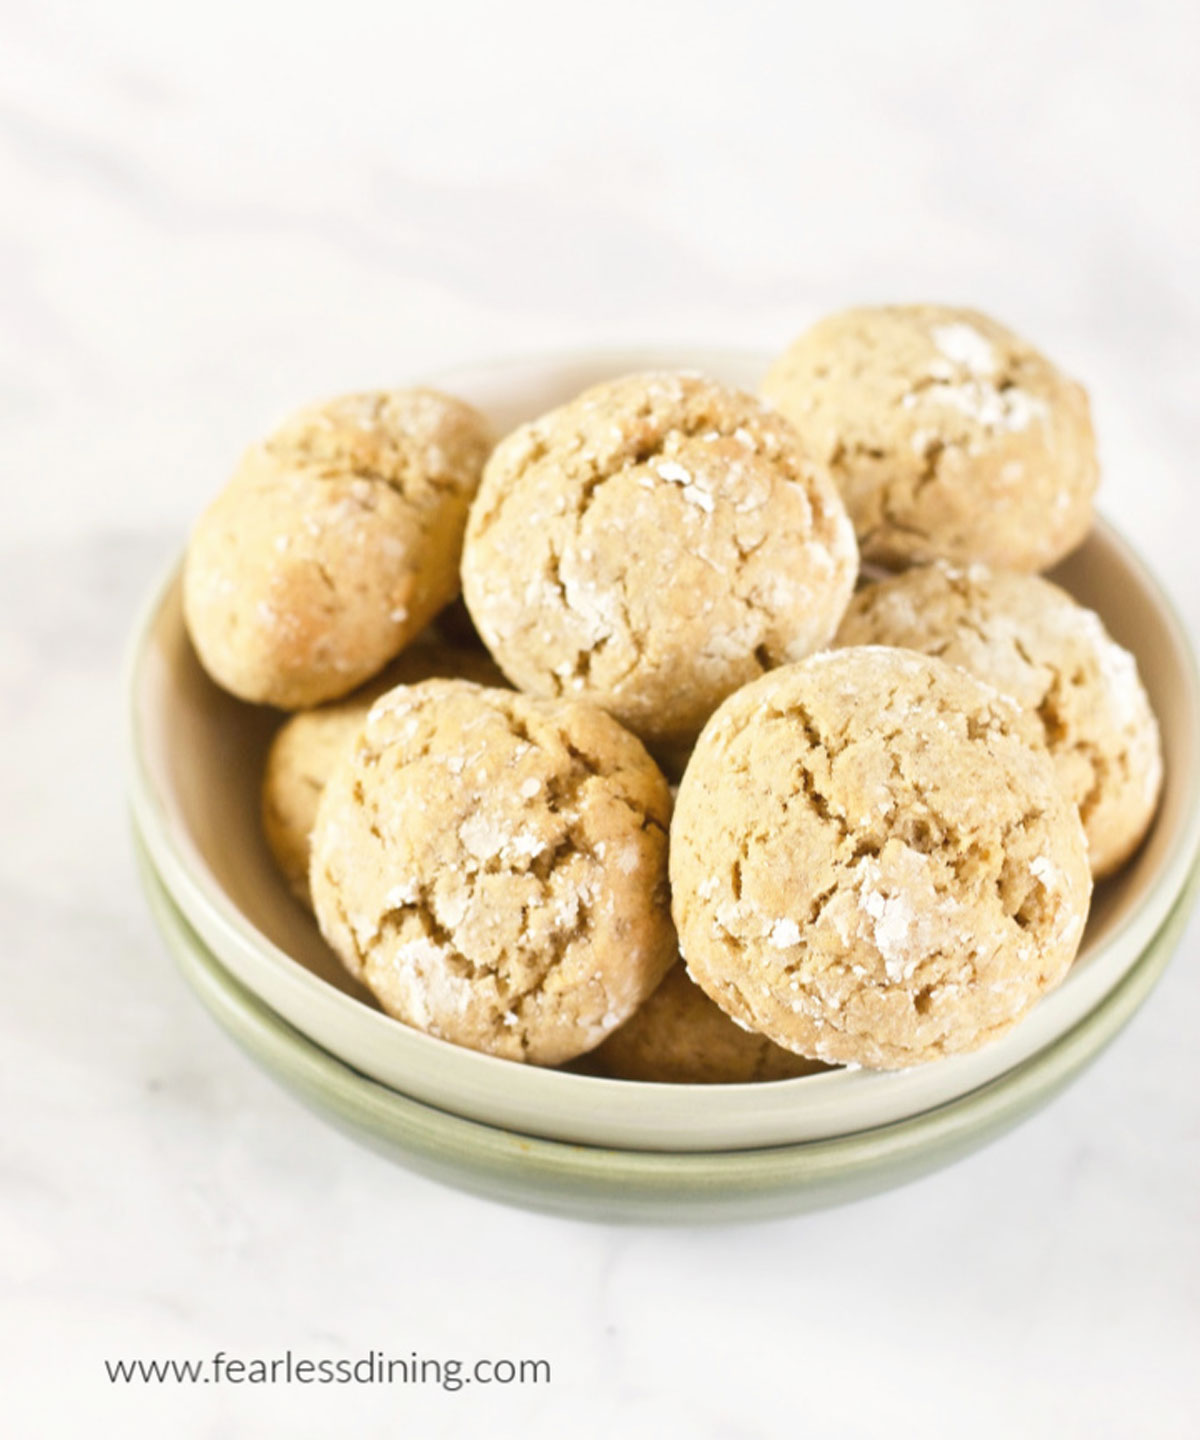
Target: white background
(211, 212)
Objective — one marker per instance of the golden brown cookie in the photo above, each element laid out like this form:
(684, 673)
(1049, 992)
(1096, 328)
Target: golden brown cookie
(679, 1037)
(308, 745)
(335, 543)
(872, 861)
(1032, 641)
(494, 868)
(948, 436)
(653, 545)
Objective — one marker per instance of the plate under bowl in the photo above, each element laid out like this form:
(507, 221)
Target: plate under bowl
(597, 1183)
(197, 758)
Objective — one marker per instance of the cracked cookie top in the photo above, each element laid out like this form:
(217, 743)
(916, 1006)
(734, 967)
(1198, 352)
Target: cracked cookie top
(335, 543)
(494, 868)
(307, 746)
(872, 861)
(652, 546)
(949, 437)
(679, 1037)
(1034, 642)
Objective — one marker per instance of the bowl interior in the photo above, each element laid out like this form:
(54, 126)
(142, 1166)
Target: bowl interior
(198, 759)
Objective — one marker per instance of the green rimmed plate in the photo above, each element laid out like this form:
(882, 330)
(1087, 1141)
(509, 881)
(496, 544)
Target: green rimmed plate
(646, 1186)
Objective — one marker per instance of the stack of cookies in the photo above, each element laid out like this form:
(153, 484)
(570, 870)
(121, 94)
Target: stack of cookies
(892, 801)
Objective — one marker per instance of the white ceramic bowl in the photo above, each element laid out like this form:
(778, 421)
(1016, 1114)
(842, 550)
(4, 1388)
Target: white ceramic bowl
(197, 757)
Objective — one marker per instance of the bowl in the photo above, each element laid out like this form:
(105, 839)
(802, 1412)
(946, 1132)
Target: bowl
(603, 1183)
(196, 763)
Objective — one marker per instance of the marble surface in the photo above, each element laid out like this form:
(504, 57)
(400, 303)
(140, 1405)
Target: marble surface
(213, 212)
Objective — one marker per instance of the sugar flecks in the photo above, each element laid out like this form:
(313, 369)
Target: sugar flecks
(1044, 872)
(964, 345)
(893, 920)
(406, 893)
(994, 409)
(694, 493)
(784, 934)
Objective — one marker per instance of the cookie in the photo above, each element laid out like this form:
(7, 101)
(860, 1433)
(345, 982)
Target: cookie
(679, 1037)
(334, 545)
(1034, 642)
(652, 546)
(494, 868)
(308, 745)
(948, 436)
(872, 861)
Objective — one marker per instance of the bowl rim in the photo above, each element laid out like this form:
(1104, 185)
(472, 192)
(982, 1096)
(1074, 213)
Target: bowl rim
(203, 902)
(562, 1177)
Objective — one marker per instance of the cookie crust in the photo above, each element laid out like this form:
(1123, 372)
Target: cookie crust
(871, 860)
(653, 545)
(949, 436)
(1032, 641)
(334, 545)
(680, 1037)
(494, 868)
(308, 745)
